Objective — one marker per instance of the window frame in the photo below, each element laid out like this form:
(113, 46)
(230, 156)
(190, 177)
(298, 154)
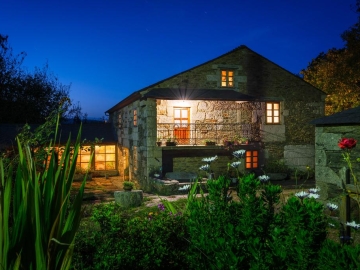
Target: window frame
(272, 113)
(227, 80)
(135, 118)
(252, 159)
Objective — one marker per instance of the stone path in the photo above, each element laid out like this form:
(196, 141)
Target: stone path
(102, 190)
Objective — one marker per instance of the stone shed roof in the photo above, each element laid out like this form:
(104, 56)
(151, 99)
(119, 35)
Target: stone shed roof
(350, 116)
(90, 131)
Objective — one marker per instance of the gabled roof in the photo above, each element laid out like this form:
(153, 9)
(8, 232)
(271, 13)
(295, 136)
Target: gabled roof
(137, 95)
(192, 94)
(90, 131)
(350, 116)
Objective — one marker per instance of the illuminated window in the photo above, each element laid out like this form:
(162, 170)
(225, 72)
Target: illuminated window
(272, 113)
(227, 78)
(83, 158)
(251, 159)
(135, 117)
(105, 157)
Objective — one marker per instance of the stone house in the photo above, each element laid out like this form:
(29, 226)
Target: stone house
(330, 166)
(239, 97)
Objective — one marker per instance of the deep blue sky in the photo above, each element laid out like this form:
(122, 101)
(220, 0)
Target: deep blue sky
(109, 49)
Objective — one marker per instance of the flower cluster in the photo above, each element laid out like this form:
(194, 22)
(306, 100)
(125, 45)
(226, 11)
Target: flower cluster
(161, 207)
(313, 193)
(347, 143)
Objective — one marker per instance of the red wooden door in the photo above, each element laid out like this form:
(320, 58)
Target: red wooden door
(181, 125)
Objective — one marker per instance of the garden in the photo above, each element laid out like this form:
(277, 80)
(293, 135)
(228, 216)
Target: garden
(44, 226)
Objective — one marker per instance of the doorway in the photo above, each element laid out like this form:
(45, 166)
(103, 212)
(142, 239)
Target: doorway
(181, 125)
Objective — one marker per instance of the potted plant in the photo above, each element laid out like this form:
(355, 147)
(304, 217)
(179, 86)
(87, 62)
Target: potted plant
(128, 186)
(158, 142)
(209, 142)
(171, 142)
(244, 140)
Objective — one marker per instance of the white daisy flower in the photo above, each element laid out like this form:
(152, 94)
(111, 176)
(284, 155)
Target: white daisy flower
(264, 178)
(302, 194)
(185, 187)
(314, 190)
(314, 195)
(239, 153)
(353, 224)
(235, 164)
(210, 159)
(205, 167)
(331, 206)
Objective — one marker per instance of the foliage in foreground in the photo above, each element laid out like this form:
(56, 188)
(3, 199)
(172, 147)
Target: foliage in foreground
(37, 220)
(215, 231)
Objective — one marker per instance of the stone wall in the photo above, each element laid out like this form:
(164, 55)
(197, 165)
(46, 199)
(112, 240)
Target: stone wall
(330, 166)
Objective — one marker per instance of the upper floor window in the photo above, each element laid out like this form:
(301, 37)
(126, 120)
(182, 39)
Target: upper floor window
(272, 112)
(227, 78)
(135, 118)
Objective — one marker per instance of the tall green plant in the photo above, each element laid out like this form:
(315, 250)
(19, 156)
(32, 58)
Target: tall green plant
(40, 233)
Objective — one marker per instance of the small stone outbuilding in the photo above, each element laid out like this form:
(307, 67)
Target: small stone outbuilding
(330, 166)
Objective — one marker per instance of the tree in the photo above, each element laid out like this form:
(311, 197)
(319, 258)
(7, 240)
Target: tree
(337, 72)
(28, 97)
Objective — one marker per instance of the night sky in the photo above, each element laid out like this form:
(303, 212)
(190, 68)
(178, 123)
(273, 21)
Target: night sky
(108, 49)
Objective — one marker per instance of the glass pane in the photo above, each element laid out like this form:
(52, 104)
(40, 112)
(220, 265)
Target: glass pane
(99, 165)
(100, 149)
(255, 153)
(110, 149)
(223, 84)
(110, 165)
(110, 157)
(276, 113)
(248, 153)
(231, 73)
(255, 159)
(223, 79)
(248, 166)
(223, 72)
(230, 79)
(276, 119)
(85, 158)
(269, 113)
(177, 113)
(177, 122)
(99, 157)
(276, 106)
(255, 165)
(248, 159)
(84, 166)
(184, 113)
(269, 120)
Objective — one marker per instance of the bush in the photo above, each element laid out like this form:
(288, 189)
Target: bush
(217, 231)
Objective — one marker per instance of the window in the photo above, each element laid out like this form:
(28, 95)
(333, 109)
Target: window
(272, 113)
(135, 117)
(105, 157)
(227, 78)
(135, 159)
(83, 158)
(251, 159)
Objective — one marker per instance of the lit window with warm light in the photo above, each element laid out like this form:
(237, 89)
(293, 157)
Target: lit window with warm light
(272, 112)
(135, 159)
(251, 159)
(227, 78)
(105, 157)
(83, 159)
(135, 118)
